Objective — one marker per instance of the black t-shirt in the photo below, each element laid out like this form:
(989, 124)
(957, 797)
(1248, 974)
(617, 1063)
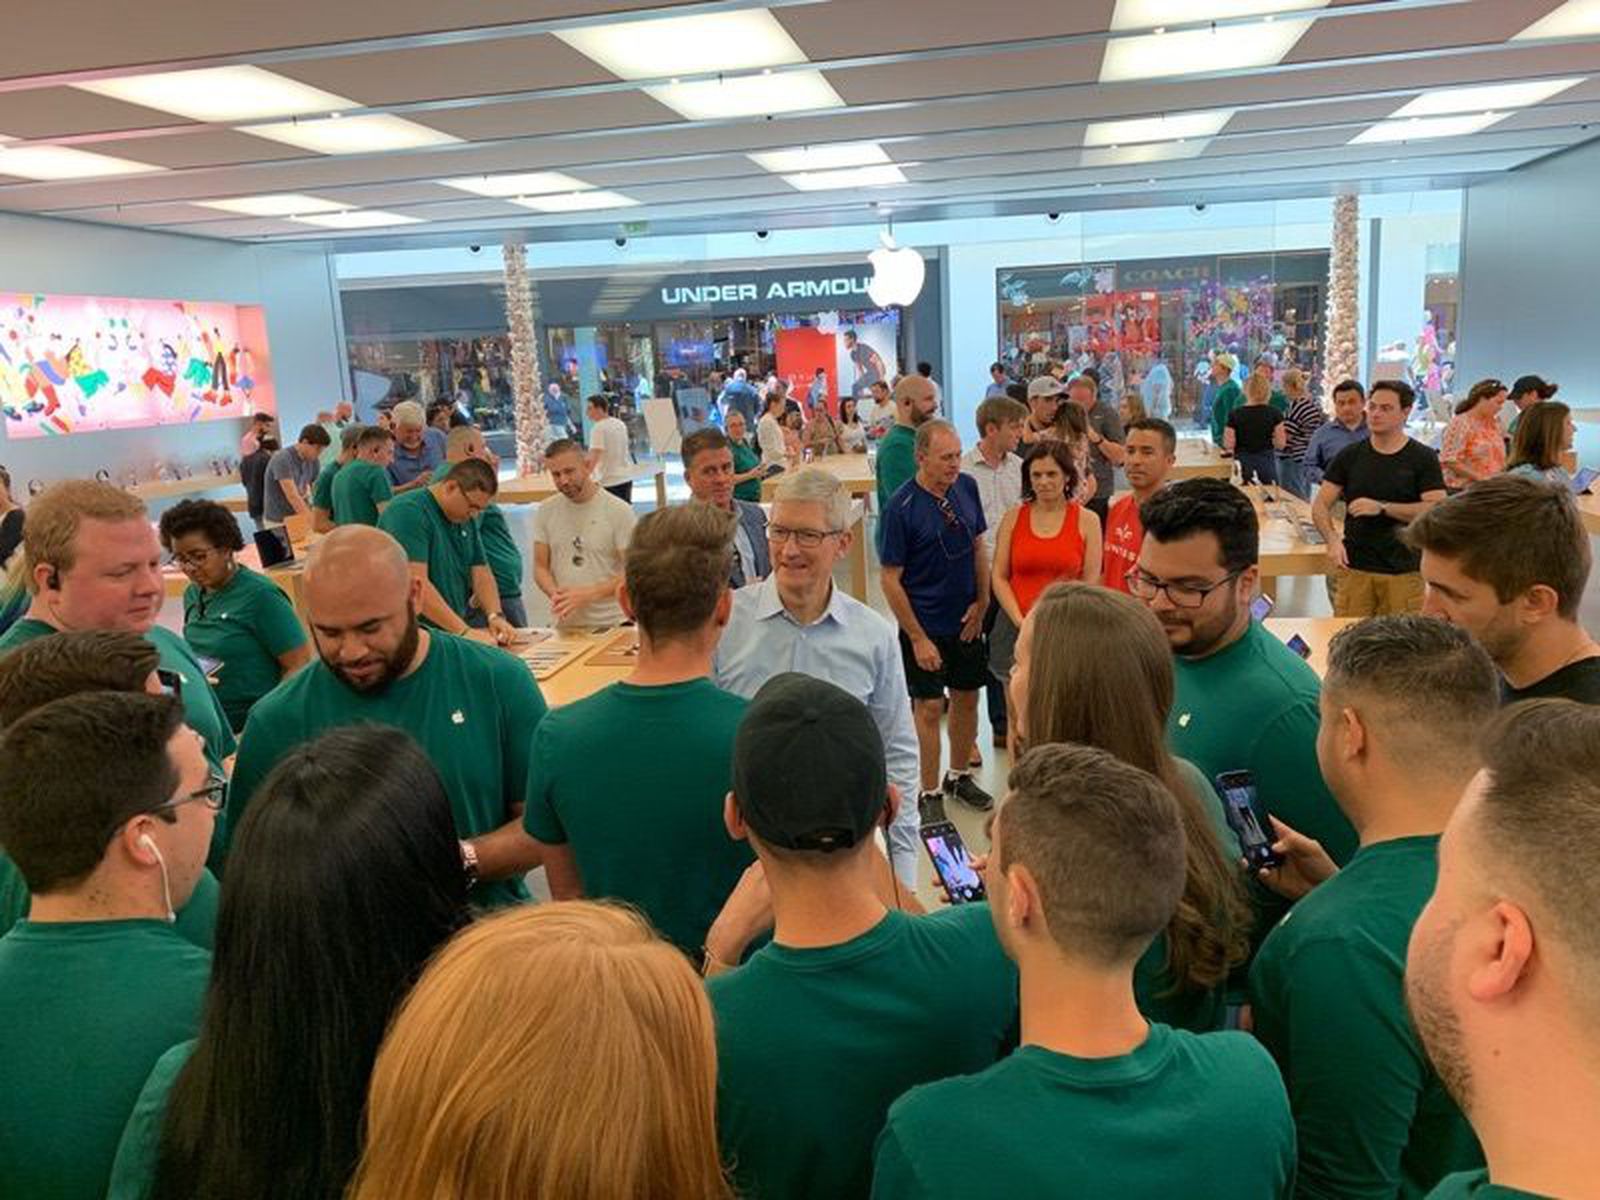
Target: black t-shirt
(1373, 543)
(1252, 427)
(10, 533)
(1578, 681)
(253, 474)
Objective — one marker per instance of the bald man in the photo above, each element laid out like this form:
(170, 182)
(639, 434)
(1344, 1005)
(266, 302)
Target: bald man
(471, 707)
(499, 547)
(915, 403)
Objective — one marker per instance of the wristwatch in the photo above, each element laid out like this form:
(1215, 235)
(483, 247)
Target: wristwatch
(469, 862)
(1383, 509)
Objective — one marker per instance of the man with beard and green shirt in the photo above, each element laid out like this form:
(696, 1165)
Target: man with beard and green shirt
(499, 547)
(1327, 988)
(915, 403)
(472, 708)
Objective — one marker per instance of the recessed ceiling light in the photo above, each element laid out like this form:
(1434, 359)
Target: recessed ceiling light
(820, 158)
(64, 162)
(821, 181)
(532, 183)
(748, 95)
(1575, 18)
(1416, 129)
(1115, 156)
(1144, 14)
(1195, 51)
(1168, 128)
(1484, 97)
(729, 41)
(357, 218)
(220, 94)
(278, 204)
(575, 201)
(352, 135)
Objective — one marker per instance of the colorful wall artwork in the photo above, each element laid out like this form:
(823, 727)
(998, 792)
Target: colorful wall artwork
(72, 364)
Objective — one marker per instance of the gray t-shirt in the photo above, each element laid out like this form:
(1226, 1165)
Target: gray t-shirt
(285, 464)
(587, 542)
(1103, 420)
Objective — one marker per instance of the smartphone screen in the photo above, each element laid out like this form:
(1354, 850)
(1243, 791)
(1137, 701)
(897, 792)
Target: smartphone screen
(1242, 807)
(1260, 607)
(208, 665)
(1310, 534)
(1583, 479)
(171, 682)
(1299, 645)
(951, 862)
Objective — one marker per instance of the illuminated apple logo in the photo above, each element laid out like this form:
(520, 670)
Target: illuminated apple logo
(897, 274)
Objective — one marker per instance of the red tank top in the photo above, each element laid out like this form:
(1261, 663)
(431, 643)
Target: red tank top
(1038, 562)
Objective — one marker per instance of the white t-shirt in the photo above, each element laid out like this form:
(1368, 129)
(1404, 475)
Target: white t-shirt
(610, 437)
(769, 436)
(587, 543)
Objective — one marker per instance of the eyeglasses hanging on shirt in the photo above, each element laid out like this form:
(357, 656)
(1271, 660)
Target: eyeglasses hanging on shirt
(954, 526)
(577, 550)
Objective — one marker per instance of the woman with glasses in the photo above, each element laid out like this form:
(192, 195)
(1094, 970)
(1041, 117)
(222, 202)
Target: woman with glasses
(231, 614)
(1473, 446)
(1543, 438)
(1093, 666)
(1048, 538)
(344, 879)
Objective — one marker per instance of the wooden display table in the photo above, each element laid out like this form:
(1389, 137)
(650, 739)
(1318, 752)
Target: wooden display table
(1199, 459)
(578, 677)
(1285, 550)
(193, 486)
(1317, 631)
(530, 489)
(1589, 508)
(855, 471)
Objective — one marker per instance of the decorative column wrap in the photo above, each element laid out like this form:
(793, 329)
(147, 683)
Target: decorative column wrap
(1340, 358)
(525, 386)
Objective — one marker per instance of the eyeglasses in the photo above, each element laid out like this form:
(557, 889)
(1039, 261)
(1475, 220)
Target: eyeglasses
(952, 520)
(808, 539)
(1179, 595)
(193, 558)
(212, 795)
(577, 549)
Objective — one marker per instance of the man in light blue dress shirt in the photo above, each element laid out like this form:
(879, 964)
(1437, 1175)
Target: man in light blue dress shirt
(797, 620)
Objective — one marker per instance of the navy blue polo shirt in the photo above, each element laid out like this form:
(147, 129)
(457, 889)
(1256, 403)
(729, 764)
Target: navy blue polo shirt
(932, 540)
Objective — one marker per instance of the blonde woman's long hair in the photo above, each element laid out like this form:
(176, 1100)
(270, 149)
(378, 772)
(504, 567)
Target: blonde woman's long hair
(559, 1050)
(1100, 674)
(1256, 389)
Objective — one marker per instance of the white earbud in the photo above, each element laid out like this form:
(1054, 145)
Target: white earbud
(149, 843)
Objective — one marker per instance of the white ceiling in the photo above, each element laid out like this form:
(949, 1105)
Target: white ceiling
(985, 107)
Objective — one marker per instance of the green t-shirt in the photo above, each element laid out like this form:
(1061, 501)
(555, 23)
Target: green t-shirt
(196, 923)
(1475, 1185)
(668, 853)
(472, 708)
(322, 490)
(201, 710)
(1229, 397)
(1185, 1008)
(360, 487)
(1181, 1115)
(450, 549)
(814, 1045)
(745, 459)
(86, 1008)
(499, 547)
(133, 1172)
(1328, 997)
(897, 462)
(245, 625)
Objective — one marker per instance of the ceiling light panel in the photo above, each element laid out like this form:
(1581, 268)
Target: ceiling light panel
(1169, 128)
(532, 183)
(575, 201)
(1485, 98)
(1417, 129)
(850, 177)
(357, 218)
(352, 135)
(64, 162)
(1197, 51)
(1148, 14)
(220, 94)
(820, 158)
(278, 204)
(748, 95)
(728, 41)
(1576, 18)
(1118, 156)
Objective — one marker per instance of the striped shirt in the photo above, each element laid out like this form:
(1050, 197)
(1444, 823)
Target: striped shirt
(1305, 418)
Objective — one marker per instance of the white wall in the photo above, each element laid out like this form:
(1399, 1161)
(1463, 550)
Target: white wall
(295, 286)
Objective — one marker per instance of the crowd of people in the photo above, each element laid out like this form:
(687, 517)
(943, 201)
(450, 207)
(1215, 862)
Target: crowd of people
(267, 930)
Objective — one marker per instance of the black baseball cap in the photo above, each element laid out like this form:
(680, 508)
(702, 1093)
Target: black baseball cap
(1532, 383)
(808, 765)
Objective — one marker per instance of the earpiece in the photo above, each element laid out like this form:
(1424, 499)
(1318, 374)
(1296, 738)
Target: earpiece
(149, 843)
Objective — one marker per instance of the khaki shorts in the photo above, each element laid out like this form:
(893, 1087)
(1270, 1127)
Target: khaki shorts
(1367, 594)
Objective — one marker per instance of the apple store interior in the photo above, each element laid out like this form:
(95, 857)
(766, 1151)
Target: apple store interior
(670, 599)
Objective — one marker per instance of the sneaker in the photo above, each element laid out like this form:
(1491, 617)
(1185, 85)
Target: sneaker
(930, 808)
(965, 789)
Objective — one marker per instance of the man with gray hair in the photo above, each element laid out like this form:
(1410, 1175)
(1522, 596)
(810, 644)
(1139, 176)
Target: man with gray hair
(798, 619)
(472, 708)
(936, 580)
(418, 447)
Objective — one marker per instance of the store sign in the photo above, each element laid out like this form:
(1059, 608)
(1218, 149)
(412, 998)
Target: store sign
(1164, 275)
(741, 292)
